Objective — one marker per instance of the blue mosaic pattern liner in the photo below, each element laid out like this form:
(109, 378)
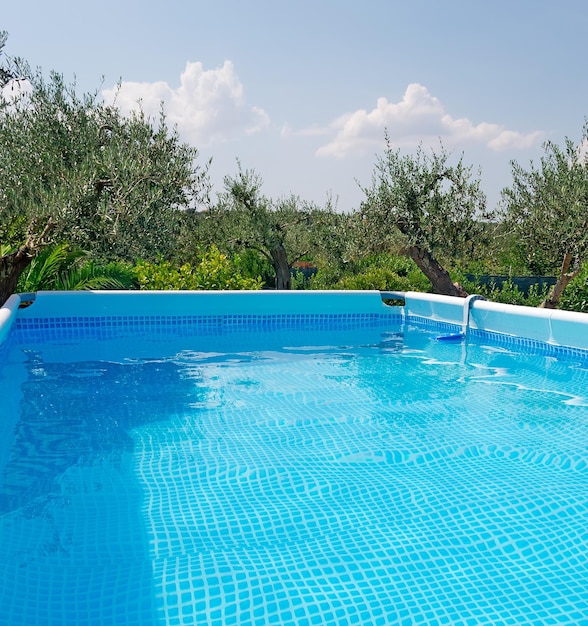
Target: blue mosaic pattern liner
(521, 344)
(104, 327)
(322, 487)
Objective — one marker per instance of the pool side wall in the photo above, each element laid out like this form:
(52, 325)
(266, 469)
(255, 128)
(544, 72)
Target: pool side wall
(552, 327)
(199, 303)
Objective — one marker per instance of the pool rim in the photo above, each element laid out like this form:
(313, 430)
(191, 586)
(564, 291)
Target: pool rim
(551, 330)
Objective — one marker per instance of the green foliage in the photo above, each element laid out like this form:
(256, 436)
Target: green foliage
(510, 256)
(546, 208)
(507, 293)
(44, 269)
(575, 297)
(300, 280)
(501, 255)
(328, 276)
(245, 219)
(214, 272)
(59, 267)
(432, 204)
(97, 275)
(382, 272)
(106, 183)
(282, 231)
(253, 264)
(375, 278)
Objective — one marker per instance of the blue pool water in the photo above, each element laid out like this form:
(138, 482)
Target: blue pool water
(367, 476)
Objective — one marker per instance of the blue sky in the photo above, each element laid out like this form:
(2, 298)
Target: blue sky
(302, 91)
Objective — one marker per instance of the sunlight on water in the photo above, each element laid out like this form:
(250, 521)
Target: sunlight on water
(335, 477)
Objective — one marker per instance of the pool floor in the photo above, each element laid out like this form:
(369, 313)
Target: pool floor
(362, 477)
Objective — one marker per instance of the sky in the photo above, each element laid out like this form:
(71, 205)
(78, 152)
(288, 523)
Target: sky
(303, 92)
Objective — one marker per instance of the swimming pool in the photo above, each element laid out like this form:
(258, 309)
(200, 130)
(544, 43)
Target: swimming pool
(339, 467)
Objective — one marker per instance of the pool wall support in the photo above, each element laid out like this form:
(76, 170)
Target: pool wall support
(552, 327)
(549, 326)
(465, 326)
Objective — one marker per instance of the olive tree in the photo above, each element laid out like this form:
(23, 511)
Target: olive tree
(546, 208)
(426, 208)
(75, 169)
(283, 231)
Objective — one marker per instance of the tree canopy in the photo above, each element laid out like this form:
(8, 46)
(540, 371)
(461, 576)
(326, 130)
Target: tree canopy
(547, 209)
(431, 207)
(74, 169)
(283, 231)
(77, 175)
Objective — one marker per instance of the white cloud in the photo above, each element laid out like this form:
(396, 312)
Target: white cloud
(14, 89)
(583, 152)
(208, 107)
(418, 118)
(312, 131)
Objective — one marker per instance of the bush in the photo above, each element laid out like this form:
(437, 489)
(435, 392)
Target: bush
(382, 272)
(575, 295)
(508, 293)
(375, 278)
(252, 264)
(60, 267)
(214, 272)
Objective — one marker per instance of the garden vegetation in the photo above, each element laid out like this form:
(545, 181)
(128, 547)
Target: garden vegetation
(93, 199)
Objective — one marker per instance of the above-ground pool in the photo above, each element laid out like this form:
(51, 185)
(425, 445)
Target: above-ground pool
(321, 461)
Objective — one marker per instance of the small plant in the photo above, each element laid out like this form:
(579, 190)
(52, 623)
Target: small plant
(575, 296)
(507, 293)
(214, 272)
(252, 264)
(62, 268)
(382, 272)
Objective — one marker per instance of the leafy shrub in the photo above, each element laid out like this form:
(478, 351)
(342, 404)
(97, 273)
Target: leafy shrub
(299, 280)
(62, 268)
(375, 278)
(252, 264)
(214, 272)
(575, 295)
(93, 275)
(507, 293)
(382, 272)
(326, 277)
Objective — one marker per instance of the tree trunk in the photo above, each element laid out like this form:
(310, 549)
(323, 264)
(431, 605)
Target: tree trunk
(438, 275)
(281, 267)
(564, 279)
(11, 267)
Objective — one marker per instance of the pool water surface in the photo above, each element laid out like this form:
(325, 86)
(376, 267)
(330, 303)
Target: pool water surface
(370, 476)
